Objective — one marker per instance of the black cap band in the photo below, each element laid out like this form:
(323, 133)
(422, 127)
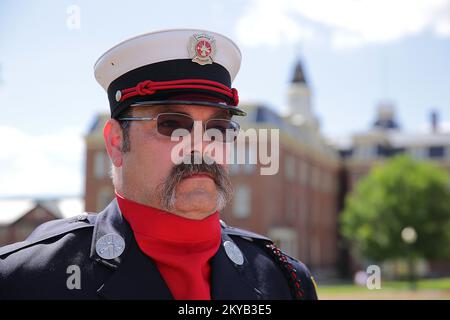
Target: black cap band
(167, 71)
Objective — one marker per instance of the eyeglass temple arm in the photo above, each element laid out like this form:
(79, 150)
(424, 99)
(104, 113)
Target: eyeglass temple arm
(138, 119)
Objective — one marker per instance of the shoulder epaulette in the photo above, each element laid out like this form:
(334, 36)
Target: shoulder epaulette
(300, 280)
(243, 233)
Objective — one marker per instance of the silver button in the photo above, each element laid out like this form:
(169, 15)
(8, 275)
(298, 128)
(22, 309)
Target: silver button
(118, 95)
(233, 252)
(110, 246)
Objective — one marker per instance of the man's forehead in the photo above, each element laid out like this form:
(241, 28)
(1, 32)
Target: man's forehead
(185, 109)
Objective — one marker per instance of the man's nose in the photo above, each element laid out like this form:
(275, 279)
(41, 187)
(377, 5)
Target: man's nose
(198, 143)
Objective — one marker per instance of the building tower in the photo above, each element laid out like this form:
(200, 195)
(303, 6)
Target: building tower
(299, 100)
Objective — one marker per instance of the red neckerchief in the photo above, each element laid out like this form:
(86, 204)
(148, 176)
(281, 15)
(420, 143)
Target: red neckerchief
(180, 247)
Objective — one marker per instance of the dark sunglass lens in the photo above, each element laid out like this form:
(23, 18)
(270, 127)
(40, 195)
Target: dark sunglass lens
(222, 130)
(168, 123)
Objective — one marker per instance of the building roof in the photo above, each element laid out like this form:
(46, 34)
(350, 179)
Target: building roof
(261, 115)
(401, 139)
(299, 75)
(394, 140)
(12, 210)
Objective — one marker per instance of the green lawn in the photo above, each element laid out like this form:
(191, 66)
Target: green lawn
(426, 289)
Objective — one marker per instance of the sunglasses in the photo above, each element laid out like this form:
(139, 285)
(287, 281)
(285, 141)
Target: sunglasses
(224, 130)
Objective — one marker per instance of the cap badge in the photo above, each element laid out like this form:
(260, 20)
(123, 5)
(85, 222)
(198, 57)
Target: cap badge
(118, 95)
(110, 246)
(202, 48)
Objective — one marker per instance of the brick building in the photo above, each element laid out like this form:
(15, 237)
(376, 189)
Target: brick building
(21, 216)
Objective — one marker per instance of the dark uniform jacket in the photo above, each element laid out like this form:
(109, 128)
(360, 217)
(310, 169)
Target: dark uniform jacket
(43, 266)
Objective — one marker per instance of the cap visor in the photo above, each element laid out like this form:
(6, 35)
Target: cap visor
(233, 110)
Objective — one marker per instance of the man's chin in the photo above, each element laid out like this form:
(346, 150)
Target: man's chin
(197, 204)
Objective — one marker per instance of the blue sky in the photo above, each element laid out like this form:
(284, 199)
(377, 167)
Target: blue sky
(355, 53)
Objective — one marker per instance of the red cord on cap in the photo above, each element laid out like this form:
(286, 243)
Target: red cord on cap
(149, 87)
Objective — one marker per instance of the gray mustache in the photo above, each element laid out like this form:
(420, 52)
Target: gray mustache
(196, 164)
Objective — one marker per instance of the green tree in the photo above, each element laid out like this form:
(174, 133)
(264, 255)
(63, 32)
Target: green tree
(401, 193)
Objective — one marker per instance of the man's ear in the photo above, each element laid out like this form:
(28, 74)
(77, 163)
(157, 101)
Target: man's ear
(112, 133)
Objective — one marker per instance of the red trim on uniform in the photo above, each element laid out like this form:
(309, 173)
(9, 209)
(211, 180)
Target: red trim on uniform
(181, 248)
(149, 87)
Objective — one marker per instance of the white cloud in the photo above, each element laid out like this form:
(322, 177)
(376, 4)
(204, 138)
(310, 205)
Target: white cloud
(344, 40)
(269, 23)
(350, 23)
(36, 165)
(442, 28)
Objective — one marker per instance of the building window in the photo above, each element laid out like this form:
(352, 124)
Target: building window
(304, 174)
(251, 160)
(249, 165)
(331, 184)
(303, 209)
(286, 239)
(242, 201)
(289, 168)
(315, 178)
(328, 182)
(364, 152)
(381, 151)
(436, 152)
(290, 205)
(324, 182)
(249, 168)
(234, 169)
(418, 153)
(104, 197)
(316, 253)
(101, 164)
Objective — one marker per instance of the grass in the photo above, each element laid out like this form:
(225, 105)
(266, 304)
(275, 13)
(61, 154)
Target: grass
(426, 289)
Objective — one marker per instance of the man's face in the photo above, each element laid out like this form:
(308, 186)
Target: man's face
(148, 168)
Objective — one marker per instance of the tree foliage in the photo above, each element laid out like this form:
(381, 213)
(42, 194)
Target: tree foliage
(400, 193)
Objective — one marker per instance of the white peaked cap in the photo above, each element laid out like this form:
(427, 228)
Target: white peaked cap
(161, 46)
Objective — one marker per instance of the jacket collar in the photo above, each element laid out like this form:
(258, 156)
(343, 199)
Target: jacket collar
(137, 277)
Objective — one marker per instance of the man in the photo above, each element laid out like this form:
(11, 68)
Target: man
(161, 237)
